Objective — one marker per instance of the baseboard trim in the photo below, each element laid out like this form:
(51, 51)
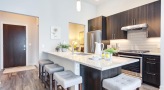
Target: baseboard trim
(161, 88)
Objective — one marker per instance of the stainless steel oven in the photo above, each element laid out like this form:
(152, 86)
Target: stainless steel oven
(134, 69)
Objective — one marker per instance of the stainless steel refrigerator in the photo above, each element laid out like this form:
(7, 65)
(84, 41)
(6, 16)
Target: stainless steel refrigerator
(92, 37)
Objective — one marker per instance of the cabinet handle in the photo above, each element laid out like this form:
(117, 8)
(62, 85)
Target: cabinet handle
(114, 36)
(150, 63)
(150, 59)
(151, 74)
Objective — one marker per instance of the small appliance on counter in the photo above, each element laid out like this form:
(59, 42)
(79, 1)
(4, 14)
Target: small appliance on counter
(99, 48)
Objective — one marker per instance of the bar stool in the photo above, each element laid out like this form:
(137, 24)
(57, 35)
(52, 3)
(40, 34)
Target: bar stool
(42, 63)
(50, 69)
(122, 82)
(67, 79)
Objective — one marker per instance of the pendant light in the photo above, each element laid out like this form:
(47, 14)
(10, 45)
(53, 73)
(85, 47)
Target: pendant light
(78, 5)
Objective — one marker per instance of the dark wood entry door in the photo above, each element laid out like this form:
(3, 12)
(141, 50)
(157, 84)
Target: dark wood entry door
(14, 45)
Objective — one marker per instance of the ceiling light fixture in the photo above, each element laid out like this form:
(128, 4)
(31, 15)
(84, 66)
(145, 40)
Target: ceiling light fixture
(78, 5)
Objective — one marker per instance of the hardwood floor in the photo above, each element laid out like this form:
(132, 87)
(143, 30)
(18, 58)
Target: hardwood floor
(25, 80)
(28, 80)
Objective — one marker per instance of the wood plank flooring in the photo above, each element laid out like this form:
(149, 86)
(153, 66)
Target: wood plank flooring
(25, 80)
(28, 80)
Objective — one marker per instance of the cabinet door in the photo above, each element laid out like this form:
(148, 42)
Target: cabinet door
(123, 22)
(130, 17)
(142, 14)
(151, 70)
(109, 28)
(135, 16)
(94, 24)
(91, 25)
(99, 23)
(116, 26)
(153, 21)
(153, 79)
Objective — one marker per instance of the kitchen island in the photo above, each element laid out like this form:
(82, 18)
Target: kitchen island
(92, 71)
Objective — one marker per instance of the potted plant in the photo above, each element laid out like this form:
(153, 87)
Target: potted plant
(58, 48)
(64, 47)
(109, 53)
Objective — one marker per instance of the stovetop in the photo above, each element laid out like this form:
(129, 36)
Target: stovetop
(134, 51)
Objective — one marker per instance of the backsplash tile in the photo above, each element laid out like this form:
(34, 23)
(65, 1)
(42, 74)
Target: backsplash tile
(137, 40)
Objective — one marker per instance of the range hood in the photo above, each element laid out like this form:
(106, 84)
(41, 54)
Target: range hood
(135, 27)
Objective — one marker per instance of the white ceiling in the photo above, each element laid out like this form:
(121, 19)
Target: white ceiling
(96, 2)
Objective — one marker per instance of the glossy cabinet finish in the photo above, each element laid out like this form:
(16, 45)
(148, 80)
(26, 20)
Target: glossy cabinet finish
(151, 70)
(98, 23)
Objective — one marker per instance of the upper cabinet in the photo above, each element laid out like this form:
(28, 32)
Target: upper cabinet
(98, 23)
(149, 14)
(114, 24)
(154, 19)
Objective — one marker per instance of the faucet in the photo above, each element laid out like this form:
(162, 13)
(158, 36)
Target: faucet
(72, 49)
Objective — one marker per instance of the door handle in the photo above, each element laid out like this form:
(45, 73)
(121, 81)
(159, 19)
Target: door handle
(151, 73)
(150, 63)
(114, 36)
(24, 47)
(150, 59)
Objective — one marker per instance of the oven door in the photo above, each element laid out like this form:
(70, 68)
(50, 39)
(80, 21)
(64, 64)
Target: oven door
(134, 69)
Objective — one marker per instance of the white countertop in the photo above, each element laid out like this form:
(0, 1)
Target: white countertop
(152, 53)
(97, 64)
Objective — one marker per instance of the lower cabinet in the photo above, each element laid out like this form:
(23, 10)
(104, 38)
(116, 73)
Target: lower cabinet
(151, 70)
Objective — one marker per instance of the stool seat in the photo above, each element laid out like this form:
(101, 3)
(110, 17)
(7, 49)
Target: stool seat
(51, 68)
(122, 82)
(67, 78)
(44, 62)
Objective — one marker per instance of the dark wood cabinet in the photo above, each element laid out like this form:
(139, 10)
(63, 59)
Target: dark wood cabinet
(149, 13)
(98, 23)
(151, 70)
(92, 78)
(154, 19)
(114, 24)
(142, 14)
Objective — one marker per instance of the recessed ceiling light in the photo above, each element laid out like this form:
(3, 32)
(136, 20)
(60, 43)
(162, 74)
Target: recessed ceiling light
(97, 0)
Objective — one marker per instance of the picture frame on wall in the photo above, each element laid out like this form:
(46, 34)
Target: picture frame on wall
(55, 32)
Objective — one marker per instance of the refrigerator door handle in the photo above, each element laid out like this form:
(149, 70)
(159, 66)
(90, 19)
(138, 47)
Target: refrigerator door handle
(92, 42)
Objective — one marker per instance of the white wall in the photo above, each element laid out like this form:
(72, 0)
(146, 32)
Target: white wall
(51, 13)
(162, 45)
(115, 6)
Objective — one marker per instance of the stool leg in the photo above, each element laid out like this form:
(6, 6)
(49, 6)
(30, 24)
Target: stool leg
(80, 86)
(138, 89)
(51, 81)
(45, 79)
(55, 85)
(39, 71)
(42, 73)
